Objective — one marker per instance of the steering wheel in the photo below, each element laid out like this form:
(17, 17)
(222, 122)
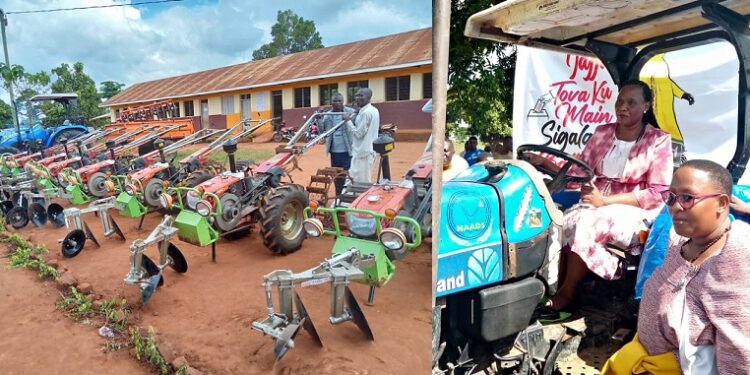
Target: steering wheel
(561, 177)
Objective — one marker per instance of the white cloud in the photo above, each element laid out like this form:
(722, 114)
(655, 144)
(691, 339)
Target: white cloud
(130, 45)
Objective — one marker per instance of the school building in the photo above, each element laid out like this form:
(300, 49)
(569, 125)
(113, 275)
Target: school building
(398, 69)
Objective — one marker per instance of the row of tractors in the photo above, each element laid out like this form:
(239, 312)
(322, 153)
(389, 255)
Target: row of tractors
(202, 201)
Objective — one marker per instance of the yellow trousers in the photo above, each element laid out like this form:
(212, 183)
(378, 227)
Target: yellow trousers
(634, 359)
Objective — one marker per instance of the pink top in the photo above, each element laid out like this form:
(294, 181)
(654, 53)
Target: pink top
(718, 300)
(648, 170)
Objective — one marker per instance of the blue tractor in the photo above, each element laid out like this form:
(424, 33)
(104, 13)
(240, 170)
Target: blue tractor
(38, 136)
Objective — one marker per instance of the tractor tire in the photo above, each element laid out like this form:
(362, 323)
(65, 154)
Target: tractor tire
(8, 150)
(198, 177)
(281, 219)
(277, 137)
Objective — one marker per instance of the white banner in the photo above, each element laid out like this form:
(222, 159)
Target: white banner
(559, 99)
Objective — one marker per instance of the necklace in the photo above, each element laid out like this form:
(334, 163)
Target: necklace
(708, 245)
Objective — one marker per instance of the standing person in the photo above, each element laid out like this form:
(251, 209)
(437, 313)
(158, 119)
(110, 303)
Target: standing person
(504, 150)
(453, 164)
(471, 153)
(364, 131)
(338, 144)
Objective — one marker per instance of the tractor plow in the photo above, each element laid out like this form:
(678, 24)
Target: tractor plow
(364, 260)
(79, 231)
(146, 274)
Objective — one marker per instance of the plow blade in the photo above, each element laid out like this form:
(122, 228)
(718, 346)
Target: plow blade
(73, 243)
(307, 322)
(55, 215)
(358, 317)
(116, 228)
(17, 217)
(195, 229)
(90, 234)
(286, 340)
(38, 214)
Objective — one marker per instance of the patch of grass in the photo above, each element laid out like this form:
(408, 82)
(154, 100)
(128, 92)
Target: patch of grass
(243, 154)
(146, 349)
(110, 309)
(28, 256)
(76, 305)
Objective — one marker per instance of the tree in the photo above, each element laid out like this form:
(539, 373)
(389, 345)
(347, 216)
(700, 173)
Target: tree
(480, 78)
(73, 79)
(25, 86)
(108, 89)
(291, 34)
(6, 115)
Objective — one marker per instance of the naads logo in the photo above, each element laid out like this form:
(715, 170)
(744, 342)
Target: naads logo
(469, 217)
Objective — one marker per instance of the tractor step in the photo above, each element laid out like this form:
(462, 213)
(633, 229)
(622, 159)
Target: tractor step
(317, 190)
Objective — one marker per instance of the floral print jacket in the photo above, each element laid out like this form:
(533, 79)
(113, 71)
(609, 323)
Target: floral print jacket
(648, 170)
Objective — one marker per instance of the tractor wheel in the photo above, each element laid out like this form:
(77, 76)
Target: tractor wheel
(277, 137)
(8, 150)
(96, 185)
(150, 267)
(152, 191)
(281, 219)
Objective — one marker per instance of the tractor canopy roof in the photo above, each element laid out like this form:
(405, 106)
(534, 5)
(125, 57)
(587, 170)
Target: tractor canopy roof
(569, 24)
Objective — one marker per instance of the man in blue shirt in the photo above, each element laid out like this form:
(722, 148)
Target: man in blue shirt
(338, 144)
(471, 153)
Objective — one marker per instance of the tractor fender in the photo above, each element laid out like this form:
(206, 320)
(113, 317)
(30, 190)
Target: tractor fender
(58, 130)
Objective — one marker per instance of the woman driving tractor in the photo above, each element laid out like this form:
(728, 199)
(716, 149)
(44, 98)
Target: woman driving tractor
(632, 163)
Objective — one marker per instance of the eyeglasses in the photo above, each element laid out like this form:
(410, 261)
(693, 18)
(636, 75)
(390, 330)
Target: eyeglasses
(686, 201)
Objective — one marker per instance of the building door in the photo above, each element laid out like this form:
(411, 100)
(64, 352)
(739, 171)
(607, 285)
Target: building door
(276, 104)
(204, 114)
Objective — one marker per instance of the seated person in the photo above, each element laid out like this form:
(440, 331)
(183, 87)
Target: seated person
(453, 164)
(503, 150)
(632, 162)
(693, 316)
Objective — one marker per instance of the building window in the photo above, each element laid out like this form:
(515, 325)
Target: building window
(352, 87)
(117, 114)
(227, 104)
(175, 112)
(245, 105)
(189, 108)
(302, 97)
(397, 88)
(427, 85)
(326, 91)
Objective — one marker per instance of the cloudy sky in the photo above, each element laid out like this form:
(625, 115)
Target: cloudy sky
(134, 44)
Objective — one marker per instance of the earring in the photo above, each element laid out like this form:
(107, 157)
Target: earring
(644, 112)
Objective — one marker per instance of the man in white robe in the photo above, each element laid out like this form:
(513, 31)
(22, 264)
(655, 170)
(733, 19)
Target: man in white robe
(363, 132)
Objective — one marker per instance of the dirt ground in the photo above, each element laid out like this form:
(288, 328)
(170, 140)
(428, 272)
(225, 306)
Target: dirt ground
(205, 314)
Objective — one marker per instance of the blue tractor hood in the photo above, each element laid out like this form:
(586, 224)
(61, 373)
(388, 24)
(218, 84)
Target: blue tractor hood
(483, 211)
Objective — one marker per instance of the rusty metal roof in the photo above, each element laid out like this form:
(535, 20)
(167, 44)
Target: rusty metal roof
(398, 50)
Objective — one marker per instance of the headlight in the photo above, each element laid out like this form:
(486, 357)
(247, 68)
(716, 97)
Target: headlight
(203, 207)
(313, 227)
(361, 226)
(392, 238)
(130, 189)
(192, 199)
(165, 200)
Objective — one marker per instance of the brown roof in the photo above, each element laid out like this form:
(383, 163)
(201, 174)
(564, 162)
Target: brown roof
(372, 54)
